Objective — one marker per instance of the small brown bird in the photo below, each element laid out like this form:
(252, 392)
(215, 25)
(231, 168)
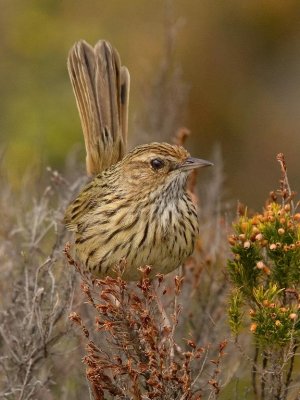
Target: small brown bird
(136, 208)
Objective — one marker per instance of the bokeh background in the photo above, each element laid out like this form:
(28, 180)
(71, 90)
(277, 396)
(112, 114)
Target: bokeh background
(239, 59)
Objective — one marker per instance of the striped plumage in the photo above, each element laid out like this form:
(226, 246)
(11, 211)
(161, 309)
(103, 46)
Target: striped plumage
(136, 209)
(135, 212)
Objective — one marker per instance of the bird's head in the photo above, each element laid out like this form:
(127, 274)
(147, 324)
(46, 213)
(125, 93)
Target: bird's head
(158, 164)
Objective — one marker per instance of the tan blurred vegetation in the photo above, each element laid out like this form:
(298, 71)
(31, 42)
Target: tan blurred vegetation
(241, 60)
(239, 63)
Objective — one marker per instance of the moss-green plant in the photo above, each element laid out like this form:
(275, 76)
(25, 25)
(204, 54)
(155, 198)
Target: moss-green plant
(265, 273)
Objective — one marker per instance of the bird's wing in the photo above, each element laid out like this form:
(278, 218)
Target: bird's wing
(85, 202)
(101, 88)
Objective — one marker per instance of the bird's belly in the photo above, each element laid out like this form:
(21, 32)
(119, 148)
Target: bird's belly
(159, 242)
(163, 251)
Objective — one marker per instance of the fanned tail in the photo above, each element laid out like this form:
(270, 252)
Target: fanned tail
(101, 88)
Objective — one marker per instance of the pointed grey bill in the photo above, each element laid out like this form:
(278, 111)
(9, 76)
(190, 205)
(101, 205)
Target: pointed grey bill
(193, 163)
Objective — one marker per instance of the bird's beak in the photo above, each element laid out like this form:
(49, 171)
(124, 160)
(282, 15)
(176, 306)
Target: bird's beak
(193, 163)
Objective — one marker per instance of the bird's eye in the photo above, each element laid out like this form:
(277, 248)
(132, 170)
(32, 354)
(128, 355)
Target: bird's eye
(157, 163)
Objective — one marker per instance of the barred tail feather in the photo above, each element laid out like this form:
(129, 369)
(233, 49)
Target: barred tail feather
(101, 88)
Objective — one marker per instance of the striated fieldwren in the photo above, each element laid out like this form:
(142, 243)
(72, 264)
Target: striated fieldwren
(136, 208)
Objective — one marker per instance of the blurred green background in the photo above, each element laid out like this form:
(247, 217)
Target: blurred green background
(241, 60)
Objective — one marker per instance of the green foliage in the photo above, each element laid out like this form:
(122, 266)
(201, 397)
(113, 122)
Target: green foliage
(272, 323)
(235, 314)
(265, 272)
